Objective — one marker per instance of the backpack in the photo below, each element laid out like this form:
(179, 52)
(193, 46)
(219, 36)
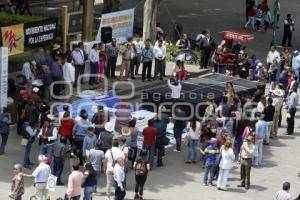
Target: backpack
(140, 169)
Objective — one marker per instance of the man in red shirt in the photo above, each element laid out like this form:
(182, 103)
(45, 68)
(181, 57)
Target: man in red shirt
(149, 141)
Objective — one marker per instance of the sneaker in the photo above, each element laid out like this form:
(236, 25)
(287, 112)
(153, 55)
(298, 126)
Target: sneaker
(188, 162)
(204, 184)
(194, 161)
(175, 150)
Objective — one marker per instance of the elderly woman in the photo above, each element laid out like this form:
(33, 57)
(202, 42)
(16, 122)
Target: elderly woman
(17, 185)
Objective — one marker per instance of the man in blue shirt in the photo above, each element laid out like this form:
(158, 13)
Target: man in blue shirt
(148, 55)
(292, 108)
(4, 129)
(57, 75)
(260, 133)
(161, 133)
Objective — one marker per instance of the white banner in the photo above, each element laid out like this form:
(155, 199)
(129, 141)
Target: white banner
(3, 76)
(121, 23)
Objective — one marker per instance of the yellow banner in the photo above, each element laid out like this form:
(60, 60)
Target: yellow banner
(13, 38)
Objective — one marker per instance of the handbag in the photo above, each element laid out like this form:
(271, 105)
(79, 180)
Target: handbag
(186, 140)
(165, 141)
(12, 195)
(24, 142)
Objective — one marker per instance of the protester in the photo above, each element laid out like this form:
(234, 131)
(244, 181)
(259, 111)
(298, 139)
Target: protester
(112, 55)
(207, 46)
(261, 129)
(161, 134)
(251, 17)
(149, 142)
(288, 30)
(123, 116)
(183, 42)
(119, 178)
(4, 129)
(139, 45)
(79, 63)
(179, 125)
(99, 119)
(69, 75)
(284, 194)
(89, 141)
(147, 55)
(292, 103)
(102, 62)
(126, 57)
(94, 62)
(159, 52)
(247, 151)
(134, 137)
(29, 134)
(227, 161)
(193, 136)
(17, 185)
(277, 103)
(175, 87)
(106, 137)
(47, 137)
(90, 182)
(111, 157)
(96, 156)
(59, 155)
(268, 118)
(75, 180)
(66, 128)
(141, 169)
(210, 153)
(40, 175)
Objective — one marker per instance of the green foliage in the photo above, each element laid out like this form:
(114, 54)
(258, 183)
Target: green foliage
(8, 19)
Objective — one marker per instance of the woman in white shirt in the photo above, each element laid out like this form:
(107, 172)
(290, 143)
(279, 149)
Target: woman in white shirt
(193, 138)
(227, 160)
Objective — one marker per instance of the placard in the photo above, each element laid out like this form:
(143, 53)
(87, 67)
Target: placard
(40, 33)
(51, 183)
(121, 23)
(13, 38)
(3, 76)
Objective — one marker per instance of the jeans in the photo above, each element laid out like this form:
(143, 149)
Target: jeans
(3, 142)
(88, 193)
(192, 149)
(209, 172)
(26, 161)
(73, 198)
(147, 66)
(222, 178)
(268, 133)
(58, 167)
(150, 149)
(19, 197)
(251, 21)
(47, 149)
(258, 151)
(222, 68)
(291, 121)
(178, 137)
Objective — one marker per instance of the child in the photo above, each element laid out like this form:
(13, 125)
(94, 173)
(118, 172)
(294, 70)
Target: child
(211, 153)
(141, 169)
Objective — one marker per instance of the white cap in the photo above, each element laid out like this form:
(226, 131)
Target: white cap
(51, 117)
(259, 64)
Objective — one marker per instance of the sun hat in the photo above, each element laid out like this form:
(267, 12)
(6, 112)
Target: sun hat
(109, 127)
(126, 131)
(56, 46)
(278, 92)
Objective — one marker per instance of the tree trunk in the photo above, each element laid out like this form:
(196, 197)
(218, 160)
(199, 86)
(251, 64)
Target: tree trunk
(150, 12)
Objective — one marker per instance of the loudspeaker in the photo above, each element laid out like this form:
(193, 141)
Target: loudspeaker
(106, 34)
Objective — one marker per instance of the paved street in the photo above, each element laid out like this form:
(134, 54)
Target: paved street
(177, 180)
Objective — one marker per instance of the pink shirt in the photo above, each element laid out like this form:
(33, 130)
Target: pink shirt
(74, 184)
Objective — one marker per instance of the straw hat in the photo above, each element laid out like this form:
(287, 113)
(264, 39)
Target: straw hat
(56, 46)
(126, 131)
(260, 64)
(109, 127)
(278, 92)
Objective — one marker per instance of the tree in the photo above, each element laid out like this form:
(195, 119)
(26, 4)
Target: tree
(150, 13)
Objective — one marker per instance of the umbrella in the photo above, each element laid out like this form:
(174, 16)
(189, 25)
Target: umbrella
(186, 55)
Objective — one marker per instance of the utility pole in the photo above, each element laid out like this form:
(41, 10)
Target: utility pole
(87, 24)
(150, 12)
(275, 24)
(65, 26)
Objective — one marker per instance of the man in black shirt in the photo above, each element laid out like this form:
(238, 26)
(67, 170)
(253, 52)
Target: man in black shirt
(268, 118)
(288, 30)
(179, 125)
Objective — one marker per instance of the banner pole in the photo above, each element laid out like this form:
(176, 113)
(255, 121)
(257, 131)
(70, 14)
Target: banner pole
(65, 24)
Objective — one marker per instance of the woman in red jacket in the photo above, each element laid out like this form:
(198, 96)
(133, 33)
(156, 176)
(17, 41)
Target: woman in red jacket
(251, 17)
(66, 128)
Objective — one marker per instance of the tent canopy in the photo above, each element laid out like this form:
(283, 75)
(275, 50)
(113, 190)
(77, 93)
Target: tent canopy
(237, 36)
